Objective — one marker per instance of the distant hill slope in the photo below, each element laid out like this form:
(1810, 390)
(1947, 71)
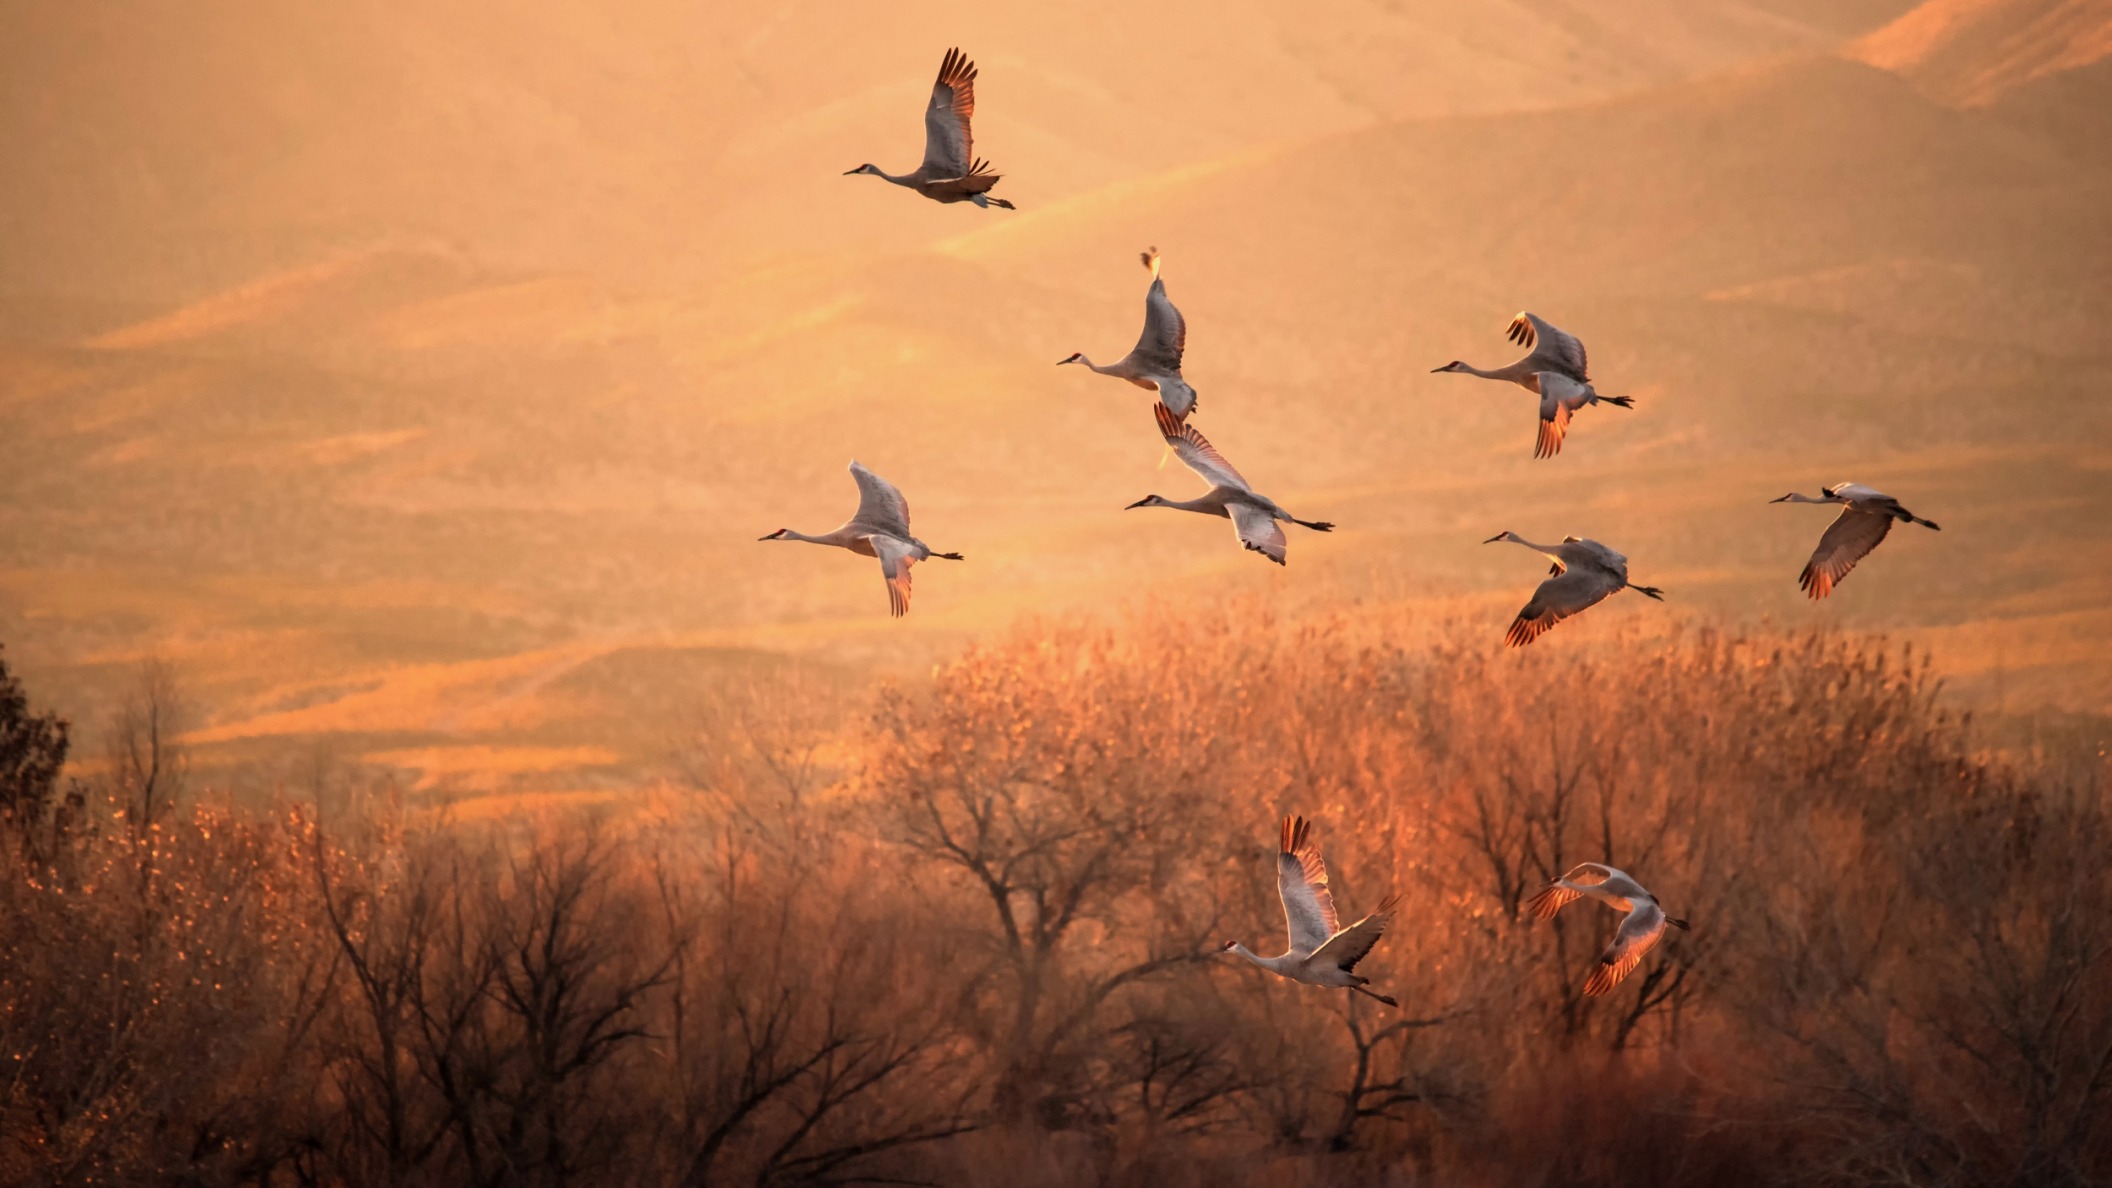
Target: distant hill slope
(165, 152)
(2073, 108)
(397, 500)
(1974, 52)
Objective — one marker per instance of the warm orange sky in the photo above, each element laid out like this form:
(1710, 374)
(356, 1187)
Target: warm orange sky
(416, 379)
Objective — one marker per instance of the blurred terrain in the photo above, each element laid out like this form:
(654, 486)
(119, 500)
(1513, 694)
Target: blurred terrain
(416, 380)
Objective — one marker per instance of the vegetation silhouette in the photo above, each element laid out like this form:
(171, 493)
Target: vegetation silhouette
(975, 935)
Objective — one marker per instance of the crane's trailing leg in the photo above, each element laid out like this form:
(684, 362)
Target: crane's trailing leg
(1385, 998)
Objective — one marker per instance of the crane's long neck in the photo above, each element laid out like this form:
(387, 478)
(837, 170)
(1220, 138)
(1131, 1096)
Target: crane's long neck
(1114, 369)
(1502, 373)
(790, 534)
(1209, 505)
(907, 179)
(1793, 497)
(1251, 955)
(1553, 553)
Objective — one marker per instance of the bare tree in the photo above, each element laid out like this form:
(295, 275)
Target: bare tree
(569, 975)
(1371, 1093)
(386, 935)
(150, 765)
(799, 1052)
(1077, 824)
(765, 733)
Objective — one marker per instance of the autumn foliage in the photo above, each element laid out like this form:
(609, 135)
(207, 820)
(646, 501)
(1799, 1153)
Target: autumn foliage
(974, 935)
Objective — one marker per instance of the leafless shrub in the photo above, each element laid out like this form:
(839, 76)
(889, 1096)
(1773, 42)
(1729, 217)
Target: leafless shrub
(148, 765)
(801, 1042)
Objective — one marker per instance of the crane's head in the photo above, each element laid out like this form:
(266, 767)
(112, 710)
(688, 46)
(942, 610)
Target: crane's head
(1076, 357)
(866, 168)
(1147, 501)
(1228, 946)
(777, 535)
(1454, 365)
(1504, 535)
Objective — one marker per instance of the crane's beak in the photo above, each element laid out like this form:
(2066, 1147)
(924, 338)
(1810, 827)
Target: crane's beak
(1497, 537)
(1139, 503)
(848, 172)
(1784, 499)
(772, 536)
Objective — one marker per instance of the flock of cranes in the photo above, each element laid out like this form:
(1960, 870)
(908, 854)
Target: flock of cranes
(1321, 952)
(1555, 368)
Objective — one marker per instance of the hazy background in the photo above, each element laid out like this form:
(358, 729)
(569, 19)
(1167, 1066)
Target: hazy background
(416, 379)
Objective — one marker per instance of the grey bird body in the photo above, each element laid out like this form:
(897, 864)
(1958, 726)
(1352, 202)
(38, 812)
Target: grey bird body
(950, 172)
(879, 529)
(1865, 520)
(1256, 518)
(1154, 364)
(1639, 931)
(1584, 574)
(1556, 369)
(1319, 952)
